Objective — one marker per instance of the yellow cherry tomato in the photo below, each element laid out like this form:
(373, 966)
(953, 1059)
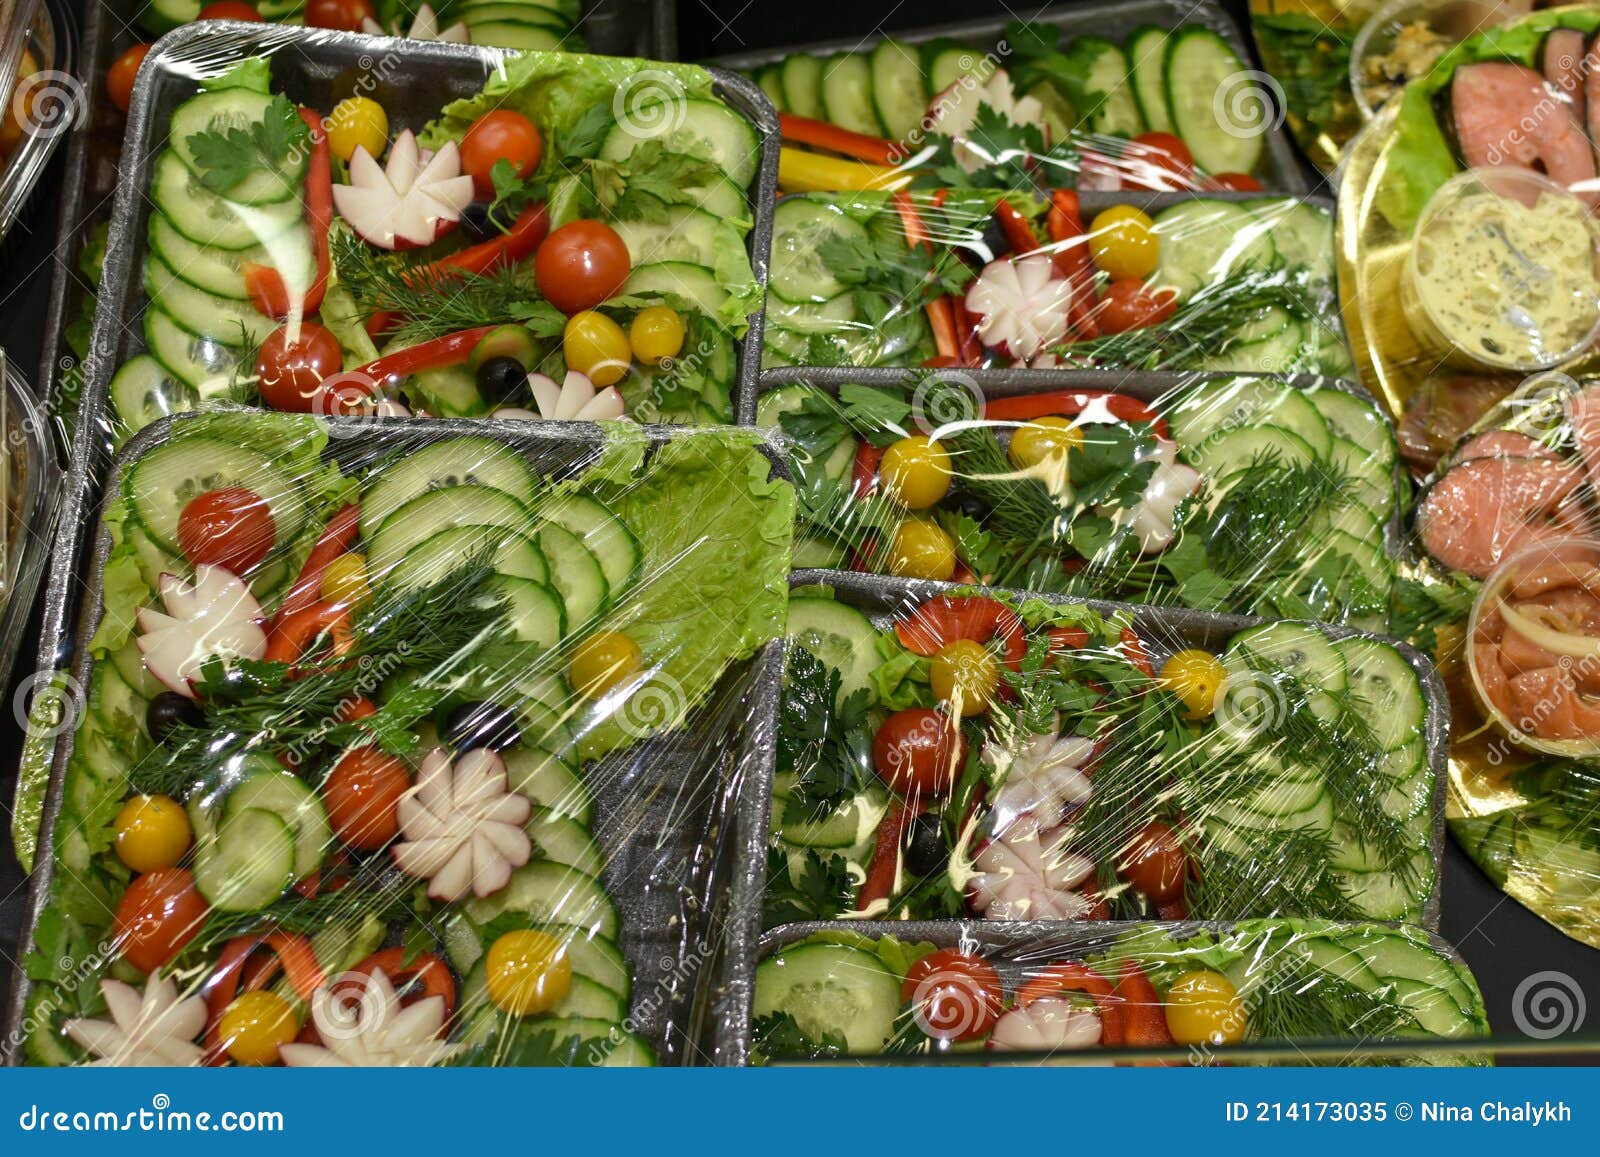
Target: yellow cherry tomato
(152, 832)
(1203, 1008)
(1124, 243)
(966, 675)
(345, 580)
(602, 661)
(1196, 678)
(1043, 439)
(254, 1025)
(915, 472)
(595, 345)
(921, 549)
(656, 334)
(357, 120)
(528, 972)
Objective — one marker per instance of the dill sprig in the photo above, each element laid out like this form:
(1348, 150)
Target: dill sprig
(1253, 528)
(1297, 1001)
(381, 899)
(1021, 507)
(1291, 877)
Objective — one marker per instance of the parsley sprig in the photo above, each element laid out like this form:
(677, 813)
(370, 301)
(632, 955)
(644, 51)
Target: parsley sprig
(224, 156)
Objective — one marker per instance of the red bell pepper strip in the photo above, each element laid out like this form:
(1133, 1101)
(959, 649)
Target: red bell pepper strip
(1071, 256)
(265, 285)
(1134, 651)
(296, 958)
(1071, 976)
(348, 387)
(427, 971)
(946, 618)
(291, 635)
(941, 319)
(822, 135)
(864, 472)
(336, 539)
(885, 866)
(1144, 1011)
(1095, 405)
(1018, 231)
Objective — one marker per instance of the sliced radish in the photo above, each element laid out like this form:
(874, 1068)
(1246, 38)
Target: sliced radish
(424, 26)
(414, 199)
(576, 399)
(1020, 305)
(954, 112)
(215, 617)
(1049, 1024)
(462, 827)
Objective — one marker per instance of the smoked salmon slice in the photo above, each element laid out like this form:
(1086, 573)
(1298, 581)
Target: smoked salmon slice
(1505, 114)
(1486, 508)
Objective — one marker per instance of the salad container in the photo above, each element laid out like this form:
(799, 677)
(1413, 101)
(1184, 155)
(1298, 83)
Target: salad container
(1132, 486)
(30, 482)
(1070, 79)
(1070, 279)
(937, 784)
(1197, 993)
(648, 565)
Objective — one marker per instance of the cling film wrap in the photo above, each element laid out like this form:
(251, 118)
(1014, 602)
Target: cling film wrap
(1058, 278)
(1256, 991)
(1247, 494)
(43, 101)
(1128, 95)
(949, 753)
(316, 222)
(420, 744)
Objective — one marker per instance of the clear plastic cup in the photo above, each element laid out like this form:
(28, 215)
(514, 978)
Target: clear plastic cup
(1414, 29)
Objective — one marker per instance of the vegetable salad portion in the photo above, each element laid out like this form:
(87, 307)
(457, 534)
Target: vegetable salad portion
(1265, 982)
(1200, 498)
(1039, 762)
(335, 796)
(1165, 109)
(533, 252)
(979, 279)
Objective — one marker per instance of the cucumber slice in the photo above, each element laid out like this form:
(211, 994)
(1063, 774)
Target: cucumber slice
(1302, 233)
(1217, 108)
(117, 704)
(203, 364)
(1098, 84)
(584, 1000)
(681, 234)
(142, 391)
(1369, 478)
(289, 798)
(551, 894)
(1146, 49)
(605, 535)
(1299, 650)
(509, 553)
(799, 274)
(593, 957)
(1433, 1009)
(1349, 519)
(847, 94)
(1357, 421)
(950, 63)
(1400, 956)
(1225, 456)
(819, 317)
(819, 554)
(212, 221)
(248, 864)
(437, 510)
(831, 990)
(163, 481)
(240, 108)
(847, 826)
(550, 782)
(1204, 240)
(225, 320)
(1384, 896)
(694, 284)
(899, 93)
(466, 461)
(520, 37)
(536, 614)
(839, 635)
(130, 665)
(769, 78)
(707, 129)
(801, 79)
(1224, 404)
(575, 573)
(562, 840)
(1384, 683)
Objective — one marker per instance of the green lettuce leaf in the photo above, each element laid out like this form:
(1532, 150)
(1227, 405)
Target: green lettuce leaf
(1419, 158)
(716, 532)
(253, 74)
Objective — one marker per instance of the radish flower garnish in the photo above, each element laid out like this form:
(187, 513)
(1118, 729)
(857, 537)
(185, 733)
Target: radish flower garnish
(413, 199)
(373, 1030)
(156, 1028)
(215, 617)
(1028, 873)
(462, 827)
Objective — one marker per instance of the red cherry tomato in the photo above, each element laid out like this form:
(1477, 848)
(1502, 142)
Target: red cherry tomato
(1236, 183)
(231, 527)
(954, 995)
(1131, 304)
(122, 73)
(1157, 161)
(343, 15)
(580, 265)
(1155, 863)
(502, 135)
(229, 10)
(290, 366)
(362, 793)
(1068, 638)
(919, 752)
(159, 913)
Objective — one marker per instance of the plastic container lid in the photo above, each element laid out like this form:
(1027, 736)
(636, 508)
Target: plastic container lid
(27, 473)
(1503, 272)
(55, 99)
